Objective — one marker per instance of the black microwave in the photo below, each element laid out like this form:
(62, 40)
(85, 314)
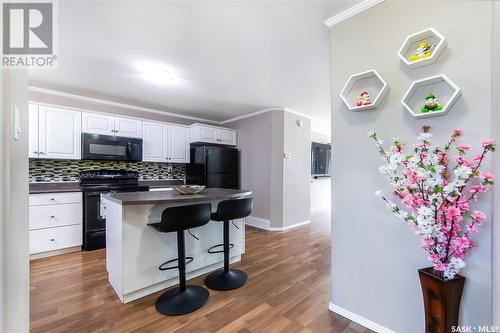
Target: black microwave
(110, 148)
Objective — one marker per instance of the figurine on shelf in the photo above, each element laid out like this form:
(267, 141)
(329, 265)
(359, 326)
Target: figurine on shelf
(431, 104)
(423, 51)
(364, 99)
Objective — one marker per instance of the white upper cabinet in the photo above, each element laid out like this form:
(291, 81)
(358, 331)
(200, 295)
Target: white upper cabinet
(165, 143)
(130, 128)
(33, 130)
(178, 144)
(154, 136)
(59, 133)
(226, 136)
(98, 123)
(109, 125)
(212, 134)
(207, 134)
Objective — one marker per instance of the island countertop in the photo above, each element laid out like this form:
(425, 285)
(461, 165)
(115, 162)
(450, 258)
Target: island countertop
(172, 196)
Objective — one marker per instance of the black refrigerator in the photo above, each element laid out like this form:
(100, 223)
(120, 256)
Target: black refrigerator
(213, 166)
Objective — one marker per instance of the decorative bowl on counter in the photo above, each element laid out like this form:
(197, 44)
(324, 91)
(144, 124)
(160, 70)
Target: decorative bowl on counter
(189, 189)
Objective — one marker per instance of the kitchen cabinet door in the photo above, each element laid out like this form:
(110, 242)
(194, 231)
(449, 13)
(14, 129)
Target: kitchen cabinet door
(126, 127)
(208, 134)
(178, 144)
(226, 137)
(98, 123)
(154, 140)
(59, 133)
(33, 130)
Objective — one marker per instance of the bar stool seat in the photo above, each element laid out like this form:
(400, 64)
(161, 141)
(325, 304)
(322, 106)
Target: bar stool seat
(227, 210)
(182, 299)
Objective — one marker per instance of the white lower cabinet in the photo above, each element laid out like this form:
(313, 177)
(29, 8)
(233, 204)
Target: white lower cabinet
(51, 239)
(55, 221)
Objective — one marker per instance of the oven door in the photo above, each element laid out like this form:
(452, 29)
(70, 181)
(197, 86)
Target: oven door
(110, 148)
(94, 226)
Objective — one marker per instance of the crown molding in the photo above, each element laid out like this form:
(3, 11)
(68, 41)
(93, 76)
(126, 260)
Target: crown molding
(117, 104)
(354, 10)
(165, 113)
(256, 113)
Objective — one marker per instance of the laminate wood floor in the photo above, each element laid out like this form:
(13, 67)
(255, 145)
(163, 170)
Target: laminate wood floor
(288, 290)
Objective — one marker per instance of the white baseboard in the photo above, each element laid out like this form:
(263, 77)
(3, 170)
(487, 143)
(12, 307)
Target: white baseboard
(264, 224)
(320, 209)
(358, 319)
(257, 222)
(55, 252)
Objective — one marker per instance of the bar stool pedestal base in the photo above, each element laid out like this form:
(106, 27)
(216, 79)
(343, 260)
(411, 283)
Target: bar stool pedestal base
(175, 302)
(222, 280)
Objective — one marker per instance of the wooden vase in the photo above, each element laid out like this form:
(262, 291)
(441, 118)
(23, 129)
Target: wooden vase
(441, 300)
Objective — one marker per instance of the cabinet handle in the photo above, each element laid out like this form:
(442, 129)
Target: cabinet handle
(52, 199)
(52, 239)
(41, 153)
(52, 217)
(35, 152)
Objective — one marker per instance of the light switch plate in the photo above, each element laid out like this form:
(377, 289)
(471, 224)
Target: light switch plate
(17, 124)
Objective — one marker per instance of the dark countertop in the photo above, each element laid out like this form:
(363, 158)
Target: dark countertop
(36, 188)
(208, 194)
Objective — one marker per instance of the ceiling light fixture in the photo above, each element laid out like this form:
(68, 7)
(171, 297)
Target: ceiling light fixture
(156, 73)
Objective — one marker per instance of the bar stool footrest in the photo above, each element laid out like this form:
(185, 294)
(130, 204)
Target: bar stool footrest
(162, 268)
(211, 251)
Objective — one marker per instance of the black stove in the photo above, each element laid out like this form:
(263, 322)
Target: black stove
(97, 182)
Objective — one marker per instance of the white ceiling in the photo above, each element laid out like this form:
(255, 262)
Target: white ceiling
(232, 57)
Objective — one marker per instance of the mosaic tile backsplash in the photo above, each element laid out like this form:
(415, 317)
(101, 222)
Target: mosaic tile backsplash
(68, 170)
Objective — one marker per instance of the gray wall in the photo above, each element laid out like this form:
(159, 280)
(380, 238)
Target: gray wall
(254, 142)
(14, 199)
(281, 187)
(296, 170)
(277, 164)
(496, 124)
(374, 256)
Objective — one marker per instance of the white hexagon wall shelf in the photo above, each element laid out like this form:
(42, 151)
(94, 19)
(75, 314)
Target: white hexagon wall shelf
(444, 89)
(369, 81)
(411, 44)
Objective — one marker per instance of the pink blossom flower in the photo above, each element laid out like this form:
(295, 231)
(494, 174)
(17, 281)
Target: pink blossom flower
(486, 175)
(458, 132)
(463, 241)
(464, 147)
(440, 267)
(452, 212)
(486, 143)
(478, 188)
(472, 229)
(433, 257)
(463, 205)
(477, 158)
(478, 215)
(426, 242)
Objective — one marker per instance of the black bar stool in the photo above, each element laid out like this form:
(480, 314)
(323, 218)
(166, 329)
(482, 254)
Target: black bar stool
(183, 299)
(228, 279)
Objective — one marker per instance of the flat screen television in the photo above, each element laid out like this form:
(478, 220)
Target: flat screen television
(321, 156)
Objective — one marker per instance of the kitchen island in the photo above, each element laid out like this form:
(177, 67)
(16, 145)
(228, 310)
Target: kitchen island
(134, 251)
